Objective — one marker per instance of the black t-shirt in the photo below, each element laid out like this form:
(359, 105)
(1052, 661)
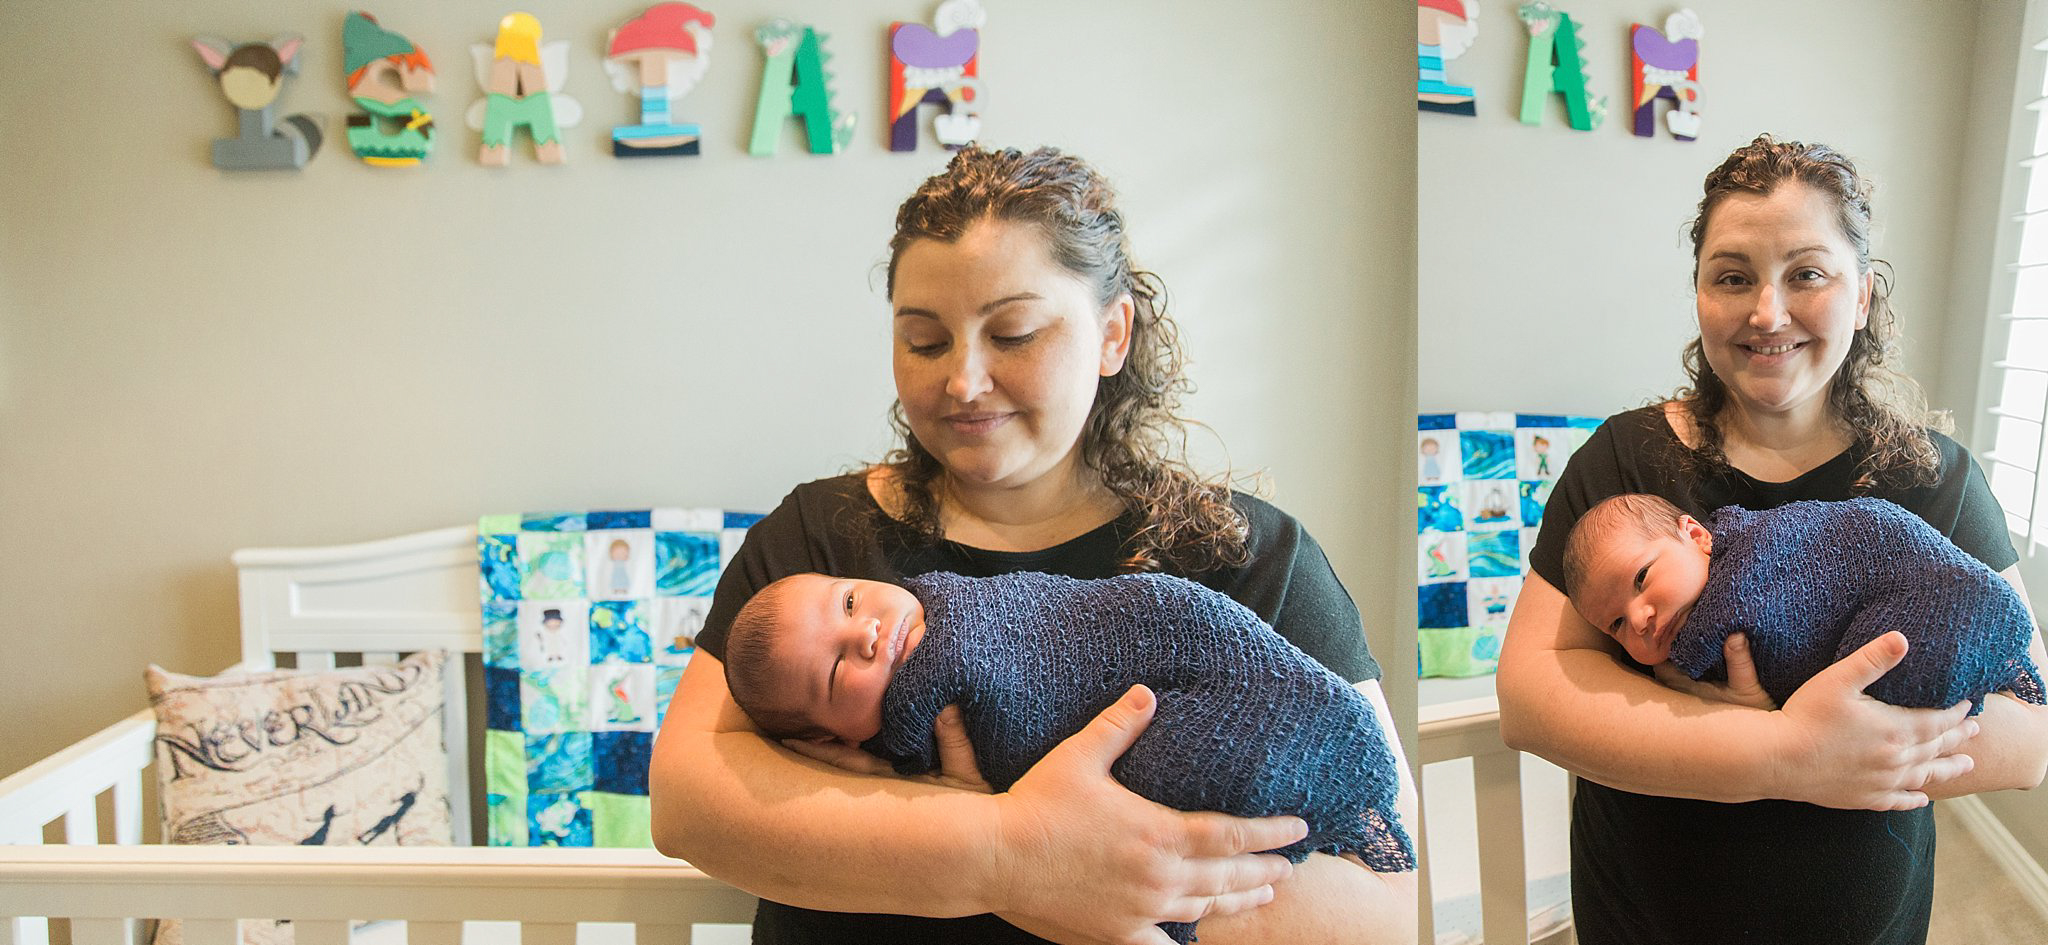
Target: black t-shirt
(833, 526)
(1648, 870)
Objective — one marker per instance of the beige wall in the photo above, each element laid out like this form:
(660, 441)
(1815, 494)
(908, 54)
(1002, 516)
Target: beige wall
(1565, 251)
(193, 362)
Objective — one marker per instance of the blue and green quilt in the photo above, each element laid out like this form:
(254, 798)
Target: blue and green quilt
(1481, 481)
(589, 619)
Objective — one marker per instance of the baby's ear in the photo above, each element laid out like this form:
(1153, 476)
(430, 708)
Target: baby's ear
(1695, 532)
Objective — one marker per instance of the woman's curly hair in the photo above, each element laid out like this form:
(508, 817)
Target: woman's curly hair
(1134, 438)
(1883, 409)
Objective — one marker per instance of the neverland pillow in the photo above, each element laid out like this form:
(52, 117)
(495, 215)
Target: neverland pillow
(345, 757)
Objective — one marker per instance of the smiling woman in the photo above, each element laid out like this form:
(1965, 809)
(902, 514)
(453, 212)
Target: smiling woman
(1807, 822)
(1037, 379)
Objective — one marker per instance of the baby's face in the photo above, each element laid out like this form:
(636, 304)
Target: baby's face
(841, 642)
(1639, 591)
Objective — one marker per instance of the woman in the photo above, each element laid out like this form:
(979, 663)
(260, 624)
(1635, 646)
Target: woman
(1037, 378)
(1704, 813)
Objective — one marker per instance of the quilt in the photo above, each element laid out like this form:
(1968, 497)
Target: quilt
(1481, 482)
(588, 619)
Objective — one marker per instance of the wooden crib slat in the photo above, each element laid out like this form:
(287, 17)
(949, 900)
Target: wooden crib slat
(380, 658)
(82, 823)
(212, 932)
(1424, 898)
(317, 659)
(28, 931)
(128, 809)
(645, 934)
(1503, 883)
(320, 931)
(455, 734)
(102, 931)
(547, 933)
(433, 933)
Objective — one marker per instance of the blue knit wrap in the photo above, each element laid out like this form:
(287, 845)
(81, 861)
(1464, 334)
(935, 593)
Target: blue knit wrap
(1811, 582)
(1247, 723)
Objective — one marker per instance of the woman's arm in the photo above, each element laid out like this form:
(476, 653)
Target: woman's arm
(2011, 748)
(1337, 900)
(1067, 849)
(1566, 696)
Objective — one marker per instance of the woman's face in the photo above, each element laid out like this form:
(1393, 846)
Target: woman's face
(998, 353)
(1780, 296)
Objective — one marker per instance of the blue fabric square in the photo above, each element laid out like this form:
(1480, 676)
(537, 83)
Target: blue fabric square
(617, 634)
(1488, 454)
(1494, 554)
(1436, 421)
(557, 820)
(619, 518)
(1441, 605)
(685, 563)
(622, 759)
(497, 558)
(501, 698)
(742, 519)
(1533, 497)
(501, 633)
(553, 522)
(1437, 510)
(558, 763)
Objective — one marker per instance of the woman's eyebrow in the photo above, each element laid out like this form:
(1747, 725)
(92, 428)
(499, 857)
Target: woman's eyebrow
(1005, 300)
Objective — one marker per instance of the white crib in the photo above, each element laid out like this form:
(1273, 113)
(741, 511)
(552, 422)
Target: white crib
(376, 599)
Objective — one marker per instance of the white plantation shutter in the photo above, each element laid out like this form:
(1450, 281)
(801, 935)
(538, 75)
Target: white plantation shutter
(2017, 341)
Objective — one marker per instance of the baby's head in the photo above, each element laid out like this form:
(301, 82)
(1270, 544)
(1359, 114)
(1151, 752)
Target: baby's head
(1633, 566)
(809, 655)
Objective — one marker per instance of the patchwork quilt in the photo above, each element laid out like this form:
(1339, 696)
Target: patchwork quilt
(589, 619)
(1481, 482)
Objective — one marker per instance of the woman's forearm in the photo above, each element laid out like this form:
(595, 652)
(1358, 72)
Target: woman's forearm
(1586, 713)
(1330, 900)
(765, 820)
(2010, 750)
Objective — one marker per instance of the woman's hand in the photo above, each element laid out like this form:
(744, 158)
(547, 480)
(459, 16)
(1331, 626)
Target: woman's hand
(1850, 751)
(1741, 687)
(1087, 861)
(957, 767)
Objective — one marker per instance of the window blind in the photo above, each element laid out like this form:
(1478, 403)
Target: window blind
(2018, 337)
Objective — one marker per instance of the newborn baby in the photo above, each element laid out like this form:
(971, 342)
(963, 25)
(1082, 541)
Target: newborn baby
(1247, 724)
(1810, 583)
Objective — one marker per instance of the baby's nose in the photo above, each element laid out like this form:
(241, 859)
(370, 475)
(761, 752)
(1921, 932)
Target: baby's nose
(1645, 618)
(873, 643)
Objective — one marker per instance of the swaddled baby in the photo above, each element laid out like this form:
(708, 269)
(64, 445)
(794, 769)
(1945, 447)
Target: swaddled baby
(1247, 724)
(1809, 583)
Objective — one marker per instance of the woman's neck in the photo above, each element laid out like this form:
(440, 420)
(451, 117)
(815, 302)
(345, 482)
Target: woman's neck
(1067, 502)
(1781, 446)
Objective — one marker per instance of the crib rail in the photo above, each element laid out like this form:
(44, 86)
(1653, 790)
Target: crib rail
(1471, 729)
(67, 785)
(546, 891)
